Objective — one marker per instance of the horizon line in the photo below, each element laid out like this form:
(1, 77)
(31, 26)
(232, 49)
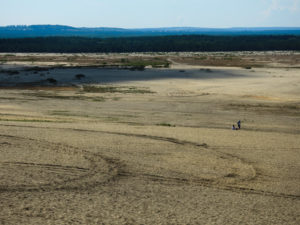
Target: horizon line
(239, 27)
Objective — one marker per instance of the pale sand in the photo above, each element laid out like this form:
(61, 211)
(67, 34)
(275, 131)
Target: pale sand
(70, 157)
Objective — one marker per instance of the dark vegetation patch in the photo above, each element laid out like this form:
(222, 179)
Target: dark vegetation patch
(139, 68)
(65, 113)
(36, 69)
(165, 125)
(154, 64)
(181, 43)
(33, 120)
(98, 99)
(53, 95)
(52, 80)
(8, 98)
(160, 60)
(116, 98)
(287, 109)
(231, 175)
(206, 70)
(115, 89)
(140, 63)
(79, 76)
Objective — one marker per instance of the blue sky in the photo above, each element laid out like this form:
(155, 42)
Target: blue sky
(152, 13)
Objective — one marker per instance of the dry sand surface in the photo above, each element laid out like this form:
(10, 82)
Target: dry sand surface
(118, 146)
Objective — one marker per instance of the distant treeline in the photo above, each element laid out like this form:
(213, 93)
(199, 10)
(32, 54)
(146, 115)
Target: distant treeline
(152, 44)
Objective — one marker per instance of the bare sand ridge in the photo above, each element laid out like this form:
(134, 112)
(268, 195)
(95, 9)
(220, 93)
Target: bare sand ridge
(153, 146)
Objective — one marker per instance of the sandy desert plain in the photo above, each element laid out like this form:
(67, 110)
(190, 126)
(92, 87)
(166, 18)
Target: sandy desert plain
(99, 139)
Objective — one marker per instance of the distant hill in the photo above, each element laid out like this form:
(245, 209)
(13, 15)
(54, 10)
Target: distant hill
(105, 32)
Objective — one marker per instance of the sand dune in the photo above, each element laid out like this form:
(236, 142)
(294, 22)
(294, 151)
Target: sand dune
(150, 147)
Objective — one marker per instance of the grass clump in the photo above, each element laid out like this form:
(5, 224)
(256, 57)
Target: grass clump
(79, 76)
(206, 70)
(52, 80)
(36, 69)
(98, 99)
(33, 120)
(65, 97)
(114, 89)
(140, 64)
(137, 68)
(165, 125)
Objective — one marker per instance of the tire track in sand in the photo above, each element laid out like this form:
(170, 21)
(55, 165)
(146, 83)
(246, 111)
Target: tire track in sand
(101, 170)
(119, 170)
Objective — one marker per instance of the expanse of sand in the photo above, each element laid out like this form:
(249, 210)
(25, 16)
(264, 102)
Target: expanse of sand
(150, 147)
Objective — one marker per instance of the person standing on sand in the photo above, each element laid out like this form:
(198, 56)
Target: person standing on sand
(239, 124)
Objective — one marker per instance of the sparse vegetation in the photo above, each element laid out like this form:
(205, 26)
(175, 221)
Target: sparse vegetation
(36, 69)
(166, 125)
(206, 70)
(33, 120)
(53, 95)
(116, 98)
(52, 80)
(139, 68)
(115, 89)
(140, 64)
(79, 76)
(98, 99)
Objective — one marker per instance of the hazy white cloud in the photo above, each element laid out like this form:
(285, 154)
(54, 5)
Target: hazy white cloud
(291, 6)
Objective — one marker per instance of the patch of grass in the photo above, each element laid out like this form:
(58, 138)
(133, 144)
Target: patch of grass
(111, 119)
(62, 113)
(116, 98)
(33, 120)
(8, 55)
(124, 60)
(8, 98)
(100, 89)
(52, 80)
(139, 68)
(141, 64)
(59, 112)
(296, 107)
(79, 76)
(98, 99)
(231, 175)
(274, 108)
(65, 97)
(165, 125)
(206, 70)
(55, 96)
(36, 69)
(115, 89)
(202, 58)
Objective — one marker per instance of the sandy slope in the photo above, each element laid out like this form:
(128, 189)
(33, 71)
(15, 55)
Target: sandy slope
(167, 156)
